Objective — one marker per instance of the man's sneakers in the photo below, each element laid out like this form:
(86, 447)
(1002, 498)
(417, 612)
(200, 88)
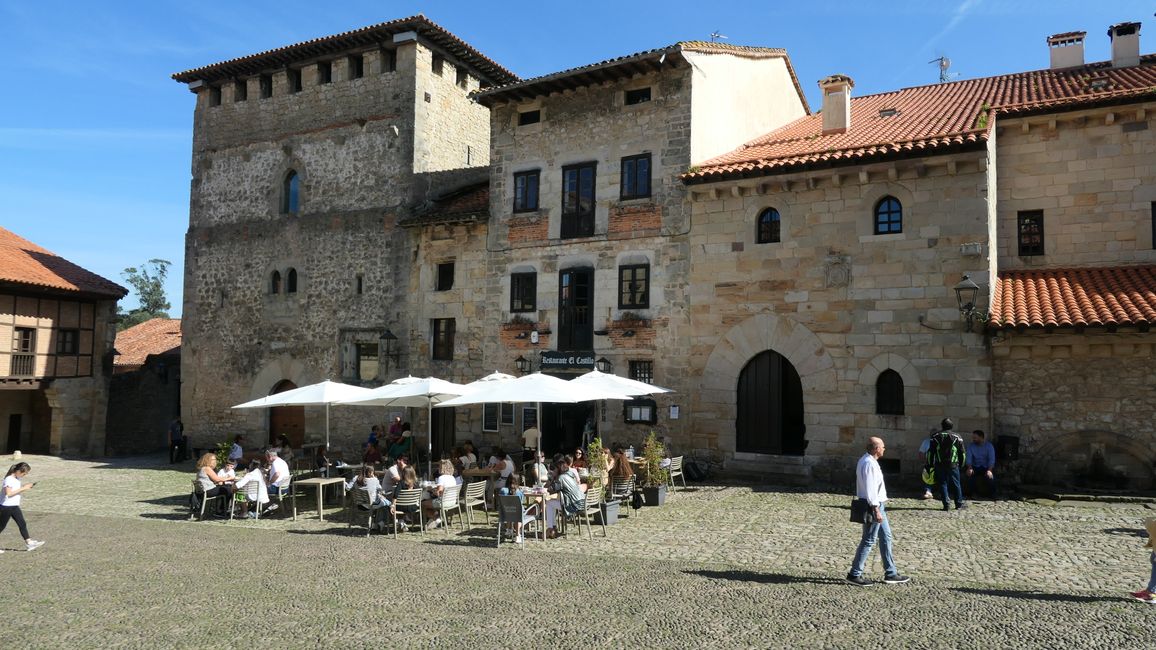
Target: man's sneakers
(34, 544)
(927, 496)
(960, 506)
(1144, 596)
(272, 507)
(896, 579)
(859, 581)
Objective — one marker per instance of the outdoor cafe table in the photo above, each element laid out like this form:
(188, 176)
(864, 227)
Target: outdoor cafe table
(320, 484)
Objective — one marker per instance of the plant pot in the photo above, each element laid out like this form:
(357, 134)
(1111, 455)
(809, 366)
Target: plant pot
(654, 496)
(609, 513)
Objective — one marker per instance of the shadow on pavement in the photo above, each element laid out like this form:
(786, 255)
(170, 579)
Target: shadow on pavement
(172, 516)
(1037, 595)
(762, 578)
(1129, 532)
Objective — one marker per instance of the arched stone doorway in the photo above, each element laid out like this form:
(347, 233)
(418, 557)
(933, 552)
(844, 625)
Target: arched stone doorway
(289, 420)
(769, 409)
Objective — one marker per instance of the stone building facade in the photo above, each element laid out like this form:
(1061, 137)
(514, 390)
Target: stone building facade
(304, 158)
(144, 393)
(56, 329)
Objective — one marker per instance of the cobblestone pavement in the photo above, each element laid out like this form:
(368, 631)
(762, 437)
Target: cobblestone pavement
(718, 566)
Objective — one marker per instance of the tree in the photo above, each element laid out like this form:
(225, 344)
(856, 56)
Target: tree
(148, 281)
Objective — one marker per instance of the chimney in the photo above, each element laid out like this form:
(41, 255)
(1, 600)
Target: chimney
(1125, 44)
(1067, 49)
(836, 103)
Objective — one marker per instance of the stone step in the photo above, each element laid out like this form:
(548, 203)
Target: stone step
(775, 466)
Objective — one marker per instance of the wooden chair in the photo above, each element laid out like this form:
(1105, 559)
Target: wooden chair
(251, 492)
(361, 505)
(450, 503)
(475, 496)
(675, 469)
(409, 498)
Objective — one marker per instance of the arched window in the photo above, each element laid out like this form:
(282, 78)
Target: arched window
(888, 216)
(769, 232)
(275, 283)
(290, 193)
(291, 281)
(889, 393)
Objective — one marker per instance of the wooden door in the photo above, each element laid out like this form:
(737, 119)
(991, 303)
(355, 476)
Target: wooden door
(576, 309)
(443, 431)
(15, 423)
(288, 420)
(769, 417)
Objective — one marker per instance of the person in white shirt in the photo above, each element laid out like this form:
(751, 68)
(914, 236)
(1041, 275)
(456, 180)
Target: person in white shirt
(433, 506)
(393, 473)
(10, 503)
(278, 475)
(253, 476)
(869, 486)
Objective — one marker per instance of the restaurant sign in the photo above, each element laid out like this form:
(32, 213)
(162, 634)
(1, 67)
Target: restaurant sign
(555, 360)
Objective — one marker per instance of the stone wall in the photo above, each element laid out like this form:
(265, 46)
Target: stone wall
(1070, 397)
(141, 404)
(841, 303)
(1090, 172)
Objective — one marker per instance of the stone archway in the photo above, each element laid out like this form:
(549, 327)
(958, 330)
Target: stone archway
(717, 401)
(1091, 459)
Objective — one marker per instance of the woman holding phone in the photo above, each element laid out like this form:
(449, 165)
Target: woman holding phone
(10, 502)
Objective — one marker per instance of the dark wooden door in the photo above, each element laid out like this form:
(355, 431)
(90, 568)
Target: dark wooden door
(576, 309)
(769, 417)
(15, 422)
(443, 431)
(289, 420)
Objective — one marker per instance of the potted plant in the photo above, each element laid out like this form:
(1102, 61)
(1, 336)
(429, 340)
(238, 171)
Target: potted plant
(599, 480)
(653, 475)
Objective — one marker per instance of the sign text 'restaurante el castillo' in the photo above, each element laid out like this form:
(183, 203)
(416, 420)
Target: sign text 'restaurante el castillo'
(555, 360)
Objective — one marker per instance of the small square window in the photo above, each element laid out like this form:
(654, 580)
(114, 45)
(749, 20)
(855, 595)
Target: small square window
(356, 65)
(634, 286)
(526, 191)
(266, 83)
(523, 292)
(324, 72)
(293, 76)
(526, 118)
(642, 370)
(640, 411)
(67, 341)
(214, 95)
(240, 90)
(635, 182)
(443, 339)
(438, 65)
(445, 276)
(637, 96)
(24, 340)
(1031, 232)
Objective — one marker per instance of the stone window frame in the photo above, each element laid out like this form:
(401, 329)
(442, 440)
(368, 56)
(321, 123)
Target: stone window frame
(240, 90)
(769, 235)
(290, 192)
(265, 86)
(882, 208)
(275, 282)
(522, 306)
(444, 272)
(214, 96)
(355, 66)
(442, 332)
(631, 162)
(324, 72)
(438, 65)
(889, 397)
(869, 376)
(536, 174)
(292, 284)
(637, 92)
(578, 218)
(293, 81)
(641, 370)
(642, 303)
(1030, 220)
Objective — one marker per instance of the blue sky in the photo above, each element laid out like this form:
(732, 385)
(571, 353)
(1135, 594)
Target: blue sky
(95, 137)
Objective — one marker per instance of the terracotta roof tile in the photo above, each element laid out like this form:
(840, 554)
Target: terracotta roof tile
(927, 119)
(22, 262)
(363, 37)
(156, 336)
(1078, 298)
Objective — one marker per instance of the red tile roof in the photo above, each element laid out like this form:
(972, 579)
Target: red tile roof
(1122, 296)
(625, 67)
(930, 119)
(156, 336)
(25, 263)
(372, 35)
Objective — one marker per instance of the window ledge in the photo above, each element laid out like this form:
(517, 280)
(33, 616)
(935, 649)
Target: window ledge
(891, 236)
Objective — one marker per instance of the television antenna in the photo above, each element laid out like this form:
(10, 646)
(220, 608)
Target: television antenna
(715, 36)
(944, 66)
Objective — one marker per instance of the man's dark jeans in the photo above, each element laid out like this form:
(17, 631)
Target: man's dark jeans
(178, 450)
(980, 474)
(948, 476)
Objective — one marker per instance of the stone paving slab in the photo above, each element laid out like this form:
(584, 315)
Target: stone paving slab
(720, 566)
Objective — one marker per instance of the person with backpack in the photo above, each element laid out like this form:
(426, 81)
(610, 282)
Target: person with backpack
(946, 455)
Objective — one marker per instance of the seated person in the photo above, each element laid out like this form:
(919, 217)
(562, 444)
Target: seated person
(321, 462)
(980, 463)
(393, 473)
(408, 482)
(514, 528)
(211, 483)
(229, 473)
(539, 473)
(504, 466)
(570, 497)
(372, 455)
(374, 435)
(285, 450)
(279, 477)
(470, 455)
(253, 476)
(404, 444)
(619, 466)
(367, 480)
(237, 451)
(395, 426)
(579, 457)
(432, 507)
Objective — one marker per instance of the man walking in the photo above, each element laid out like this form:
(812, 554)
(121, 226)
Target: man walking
(947, 455)
(869, 486)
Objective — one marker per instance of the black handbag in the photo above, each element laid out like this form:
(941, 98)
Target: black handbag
(859, 510)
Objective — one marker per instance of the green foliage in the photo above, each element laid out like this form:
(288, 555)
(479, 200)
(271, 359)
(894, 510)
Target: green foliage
(596, 462)
(653, 452)
(981, 119)
(223, 453)
(148, 282)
